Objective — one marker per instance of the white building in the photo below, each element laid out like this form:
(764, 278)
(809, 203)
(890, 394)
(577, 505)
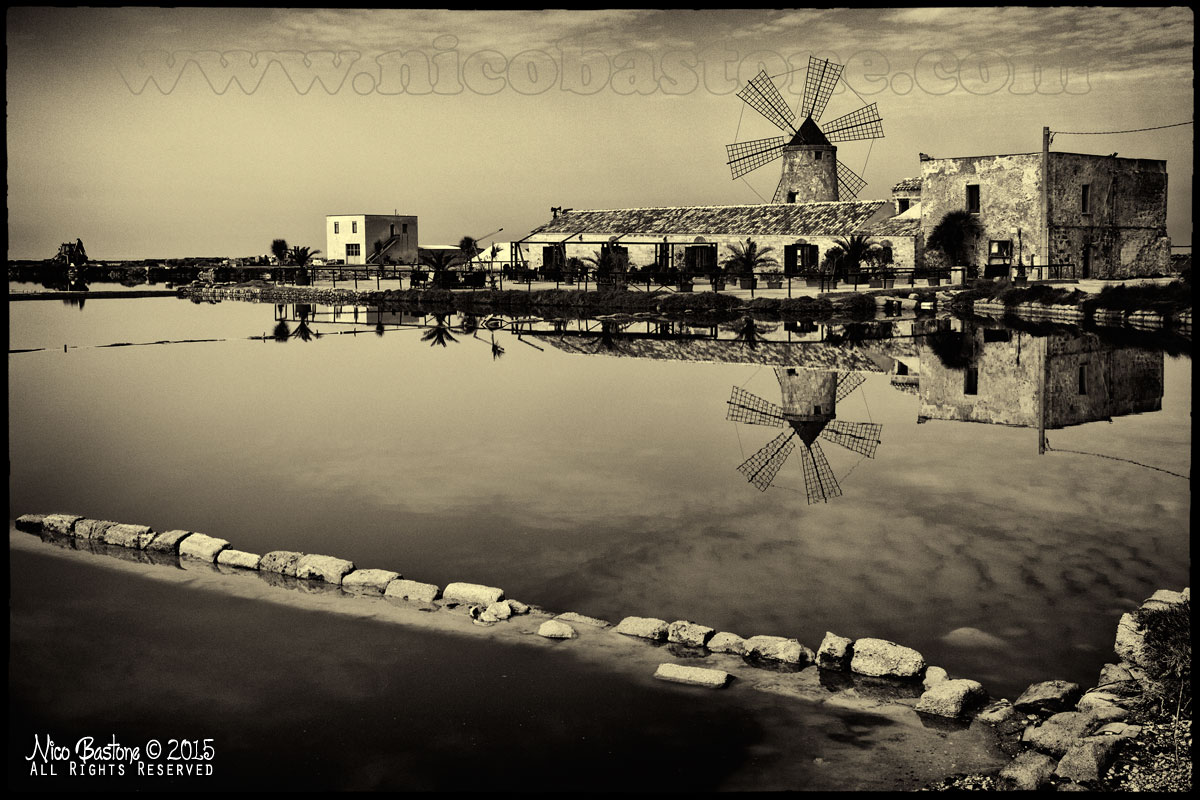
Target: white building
(351, 238)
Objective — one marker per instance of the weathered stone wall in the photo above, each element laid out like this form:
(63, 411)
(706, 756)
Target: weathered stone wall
(813, 179)
(805, 390)
(1007, 387)
(1010, 189)
(1117, 381)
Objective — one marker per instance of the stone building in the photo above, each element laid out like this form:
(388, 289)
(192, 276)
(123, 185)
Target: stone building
(351, 238)
(1106, 216)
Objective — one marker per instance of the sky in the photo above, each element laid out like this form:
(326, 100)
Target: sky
(164, 133)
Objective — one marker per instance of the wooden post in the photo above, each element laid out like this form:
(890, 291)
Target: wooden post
(1046, 194)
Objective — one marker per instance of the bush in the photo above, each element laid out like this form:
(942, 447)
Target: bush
(1169, 656)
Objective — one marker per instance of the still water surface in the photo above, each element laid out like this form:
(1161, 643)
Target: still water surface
(583, 473)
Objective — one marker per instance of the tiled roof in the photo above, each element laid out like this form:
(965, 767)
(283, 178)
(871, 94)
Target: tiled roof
(806, 355)
(898, 226)
(772, 219)
(908, 185)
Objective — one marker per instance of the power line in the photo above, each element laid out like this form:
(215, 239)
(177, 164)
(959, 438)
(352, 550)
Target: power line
(1135, 130)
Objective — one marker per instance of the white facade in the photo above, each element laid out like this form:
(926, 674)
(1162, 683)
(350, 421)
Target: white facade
(350, 238)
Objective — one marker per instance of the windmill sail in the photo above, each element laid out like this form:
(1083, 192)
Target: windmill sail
(761, 95)
(818, 86)
(847, 383)
(752, 409)
(862, 124)
(859, 437)
(760, 469)
(819, 482)
(848, 181)
(747, 156)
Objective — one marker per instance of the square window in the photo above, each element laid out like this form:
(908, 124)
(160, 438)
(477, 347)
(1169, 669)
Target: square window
(817, 153)
(973, 198)
(352, 250)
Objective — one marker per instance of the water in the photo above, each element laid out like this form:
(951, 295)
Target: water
(581, 477)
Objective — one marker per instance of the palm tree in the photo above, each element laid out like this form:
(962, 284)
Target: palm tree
(497, 350)
(439, 334)
(748, 258)
(468, 247)
(281, 332)
(440, 261)
(852, 251)
(300, 256)
(279, 249)
(952, 233)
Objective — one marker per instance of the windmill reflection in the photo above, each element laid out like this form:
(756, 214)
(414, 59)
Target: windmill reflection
(809, 409)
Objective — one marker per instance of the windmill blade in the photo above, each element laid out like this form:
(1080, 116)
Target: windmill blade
(818, 86)
(860, 437)
(848, 181)
(847, 383)
(819, 480)
(862, 124)
(761, 95)
(760, 469)
(780, 190)
(747, 156)
(752, 409)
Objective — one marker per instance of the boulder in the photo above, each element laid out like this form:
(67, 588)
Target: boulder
(1056, 735)
(135, 537)
(1028, 771)
(323, 568)
(881, 658)
(579, 619)
(202, 547)
(778, 648)
(167, 541)
(281, 562)
(997, 712)
(951, 698)
(934, 676)
(517, 606)
(1130, 644)
(693, 676)
(725, 642)
(30, 523)
(1048, 696)
(682, 631)
(643, 627)
(467, 593)
(1163, 598)
(63, 524)
(835, 652)
(556, 629)
(496, 612)
(1088, 759)
(92, 528)
(1094, 700)
(414, 591)
(238, 558)
(1114, 675)
(369, 581)
(1119, 729)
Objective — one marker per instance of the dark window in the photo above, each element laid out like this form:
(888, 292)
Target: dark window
(816, 409)
(354, 227)
(335, 227)
(817, 154)
(352, 250)
(902, 205)
(1000, 252)
(404, 228)
(997, 335)
(1083, 379)
(973, 198)
(971, 382)
(1085, 199)
(791, 197)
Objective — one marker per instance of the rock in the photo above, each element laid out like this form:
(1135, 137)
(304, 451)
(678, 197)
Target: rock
(1130, 644)
(1071, 786)
(517, 606)
(1028, 771)
(1088, 759)
(472, 593)
(1056, 735)
(323, 568)
(556, 629)
(412, 590)
(1163, 598)
(973, 637)
(499, 611)
(1118, 729)
(580, 619)
(1112, 675)
(1048, 696)
(238, 558)
(167, 541)
(202, 547)
(778, 648)
(996, 713)
(835, 652)
(281, 562)
(92, 528)
(30, 523)
(693, 676)
(369, 581)
(1187, 593)
(1107, 713)
(725, 642)
(934, 676)
(135, 537)
(951, 698)
(682, 631)
(63, 524)
(1095, 700)
(643, 627)
(881, 658)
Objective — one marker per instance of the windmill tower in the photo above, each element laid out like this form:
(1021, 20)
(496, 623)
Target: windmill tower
(809, 411)
(811, 170)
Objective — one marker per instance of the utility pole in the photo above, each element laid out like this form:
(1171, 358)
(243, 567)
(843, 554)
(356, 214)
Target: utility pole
(1045, 243)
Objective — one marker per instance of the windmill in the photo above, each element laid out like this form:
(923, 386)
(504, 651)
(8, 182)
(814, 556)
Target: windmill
(809, 410)
(811, 171)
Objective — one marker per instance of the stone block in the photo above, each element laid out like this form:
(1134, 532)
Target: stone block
(238, 558)
(881, 658)
(682, 631)
(167, 541)
(135, 537)
(1088, 759)
(692, 676)
(498, 612)
(202, 547)
(556, 629)
(63, 524)
(84, 528)
(996, 713)
(369, 581)
(414, 591)
(951, 698)
(571, 617)
(643, 627)
(323, 568)
(934, 676)
(778, 648)
(468, 593)
(517, 606)
(1048, 696)
(725, 642)
(1056, 735)
(30, 523)
(1030, 770)
(1130, 643)
(835, 652)
(281, 562)
(1163, 598)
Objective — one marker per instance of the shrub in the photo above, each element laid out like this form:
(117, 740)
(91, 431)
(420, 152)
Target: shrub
(1169, 656)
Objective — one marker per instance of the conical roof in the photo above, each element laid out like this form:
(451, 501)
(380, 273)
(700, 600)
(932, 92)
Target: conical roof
(809, 134)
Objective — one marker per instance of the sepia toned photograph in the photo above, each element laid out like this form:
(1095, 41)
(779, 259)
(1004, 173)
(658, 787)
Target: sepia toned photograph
(605, 400)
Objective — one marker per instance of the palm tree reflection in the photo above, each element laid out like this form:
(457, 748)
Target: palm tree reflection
(439, 334)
